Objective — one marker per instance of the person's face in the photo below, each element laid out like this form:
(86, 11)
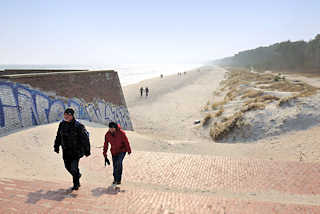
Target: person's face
(112, 130)
(67, 117)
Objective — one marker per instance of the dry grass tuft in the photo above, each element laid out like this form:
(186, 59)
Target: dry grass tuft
(224, 119)
(206, 120)
(286, 100)
(220, 130)
(265, 82)
(233, 93)
(288, 86)
(267, 97)
(308, 92)
(253, 107)
(252, 93)
(219, 113)
(206, 107)
(215, 105)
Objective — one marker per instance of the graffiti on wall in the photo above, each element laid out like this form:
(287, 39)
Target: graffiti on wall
(21, 106)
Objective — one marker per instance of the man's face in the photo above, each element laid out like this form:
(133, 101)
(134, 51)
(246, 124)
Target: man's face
(112, 130)
(67, 117)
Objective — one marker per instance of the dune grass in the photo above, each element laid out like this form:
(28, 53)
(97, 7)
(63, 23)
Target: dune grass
(220, 130)
(206, 107)
(251, 93)
(219, 113)
(286, 100)
(216, 105)
(253, 107)
(206, 120)
(250, 89)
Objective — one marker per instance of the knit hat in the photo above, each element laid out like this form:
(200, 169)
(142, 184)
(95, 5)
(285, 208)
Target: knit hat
(69, 111)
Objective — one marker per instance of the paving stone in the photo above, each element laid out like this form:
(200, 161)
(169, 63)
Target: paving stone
(175, 183)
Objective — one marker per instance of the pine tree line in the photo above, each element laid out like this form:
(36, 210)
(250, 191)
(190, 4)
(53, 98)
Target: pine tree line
(284, 55)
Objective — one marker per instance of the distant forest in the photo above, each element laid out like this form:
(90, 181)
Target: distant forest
(279, 56)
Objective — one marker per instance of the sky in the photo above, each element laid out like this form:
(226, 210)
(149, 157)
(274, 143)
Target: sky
(143, 32)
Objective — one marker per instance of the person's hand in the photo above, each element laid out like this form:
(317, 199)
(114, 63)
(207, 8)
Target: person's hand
(56, 150)
(106, 161)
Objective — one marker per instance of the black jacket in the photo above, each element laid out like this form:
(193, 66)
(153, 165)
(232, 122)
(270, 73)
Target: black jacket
(73, 140)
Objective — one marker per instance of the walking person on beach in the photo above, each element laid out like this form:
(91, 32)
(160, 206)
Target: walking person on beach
(141, 91)
(74, 140)
(147, 91)
(119, 146)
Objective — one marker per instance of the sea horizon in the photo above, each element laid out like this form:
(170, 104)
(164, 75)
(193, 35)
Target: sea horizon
(128, 73)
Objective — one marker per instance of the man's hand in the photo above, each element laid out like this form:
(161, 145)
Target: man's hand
(56, 150)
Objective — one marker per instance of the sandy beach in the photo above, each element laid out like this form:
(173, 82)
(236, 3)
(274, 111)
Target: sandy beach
(166, 120)
(163, 122)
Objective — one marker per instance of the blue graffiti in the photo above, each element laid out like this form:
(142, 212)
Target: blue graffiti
(21, 106)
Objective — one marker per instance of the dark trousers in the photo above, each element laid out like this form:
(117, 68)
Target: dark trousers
(117, 166)
(72, 165)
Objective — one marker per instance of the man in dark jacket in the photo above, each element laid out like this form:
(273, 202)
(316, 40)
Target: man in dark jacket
(119, 146)
(74, 140)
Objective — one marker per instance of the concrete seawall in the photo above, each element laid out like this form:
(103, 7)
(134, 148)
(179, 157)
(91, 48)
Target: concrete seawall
(35, 97)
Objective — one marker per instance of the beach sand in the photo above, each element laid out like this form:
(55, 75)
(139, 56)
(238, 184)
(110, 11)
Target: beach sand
(163, 122)
(166, 119)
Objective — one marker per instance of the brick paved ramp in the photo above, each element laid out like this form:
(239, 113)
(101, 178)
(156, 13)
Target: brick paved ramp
(175, 183)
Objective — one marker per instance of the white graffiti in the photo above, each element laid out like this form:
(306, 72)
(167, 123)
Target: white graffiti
(21, 106)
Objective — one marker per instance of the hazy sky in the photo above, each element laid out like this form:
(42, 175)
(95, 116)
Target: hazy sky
(163, 31)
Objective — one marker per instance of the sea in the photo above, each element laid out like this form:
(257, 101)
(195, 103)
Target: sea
(128, 73)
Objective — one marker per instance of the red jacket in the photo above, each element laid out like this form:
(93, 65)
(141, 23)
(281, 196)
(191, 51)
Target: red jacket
(119, 142)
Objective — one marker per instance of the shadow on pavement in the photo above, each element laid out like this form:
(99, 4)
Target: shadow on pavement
(58, 195)
(111, 190)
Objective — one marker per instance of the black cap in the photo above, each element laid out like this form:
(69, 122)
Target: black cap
(69, 111)
(113, 125)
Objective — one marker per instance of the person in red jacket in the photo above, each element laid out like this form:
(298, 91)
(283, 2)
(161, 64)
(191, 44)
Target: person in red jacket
(119, 146)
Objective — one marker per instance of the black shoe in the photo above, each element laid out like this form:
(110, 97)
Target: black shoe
(118, 182)
(114, 182)
(75, 187)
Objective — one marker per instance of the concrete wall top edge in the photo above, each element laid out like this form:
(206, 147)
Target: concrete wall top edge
(29, 71)
(15, 76)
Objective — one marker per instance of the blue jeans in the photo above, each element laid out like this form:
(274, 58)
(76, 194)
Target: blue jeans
(117, 166)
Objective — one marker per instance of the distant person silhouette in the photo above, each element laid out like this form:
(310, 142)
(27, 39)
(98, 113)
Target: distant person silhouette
(147, 91)
(141, 91)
